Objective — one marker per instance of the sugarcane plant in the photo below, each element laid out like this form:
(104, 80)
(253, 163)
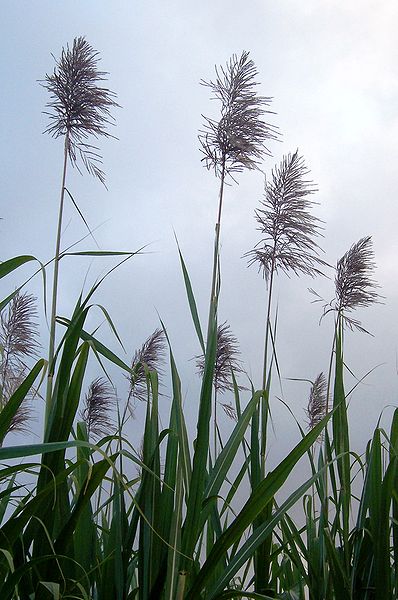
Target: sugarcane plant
(101, 514)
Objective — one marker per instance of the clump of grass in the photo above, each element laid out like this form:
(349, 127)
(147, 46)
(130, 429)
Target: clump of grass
(174, 530)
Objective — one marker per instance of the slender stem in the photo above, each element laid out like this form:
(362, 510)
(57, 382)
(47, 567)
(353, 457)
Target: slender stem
(55, 285)
(216, 274)
(214, 286)
(215, 424)
(265, 399)
(268, 326)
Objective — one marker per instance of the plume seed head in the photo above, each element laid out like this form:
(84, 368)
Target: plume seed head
(80, 107)
(151, 353)
(99, 402)
(355, 286)
(237, 140)
(288, 228)
(19, 330)
(227, 360)
(317, 402)
(18, 343)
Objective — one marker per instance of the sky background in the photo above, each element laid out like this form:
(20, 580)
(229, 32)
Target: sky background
(330, 68)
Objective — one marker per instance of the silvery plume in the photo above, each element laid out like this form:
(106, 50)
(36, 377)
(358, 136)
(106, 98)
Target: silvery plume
(287, 227)
(80, 107)
(98, 405)
(227, 360)
(236, 140)
(18, 343)
(151, 354)
(317, 402)
(355, 286)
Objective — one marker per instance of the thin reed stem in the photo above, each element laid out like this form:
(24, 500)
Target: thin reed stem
(215, 285)
(216, 271)
(55, 285)
(265, 384)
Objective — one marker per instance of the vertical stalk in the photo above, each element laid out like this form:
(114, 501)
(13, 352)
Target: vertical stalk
(216, 273)
(267, 326)
(262, 561)
(182, 578)
(55, 285)
(265, 399)
(215, 286)
(215, 424)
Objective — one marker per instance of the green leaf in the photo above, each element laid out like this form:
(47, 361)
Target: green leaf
(10, 265)
(15, 401)
(191, 301)
(98, 346)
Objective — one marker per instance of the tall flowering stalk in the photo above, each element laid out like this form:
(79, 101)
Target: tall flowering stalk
(288, 242)
(288, 245)
(355, 288)
(237, 140)
(234, 142)
(79, 110)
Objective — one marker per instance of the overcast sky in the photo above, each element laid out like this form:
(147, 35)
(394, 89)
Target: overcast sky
(331, 68)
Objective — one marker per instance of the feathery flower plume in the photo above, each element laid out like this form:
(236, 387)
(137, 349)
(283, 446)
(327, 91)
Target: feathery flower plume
(287, 226)
(226, 359)
(317, 403)
(80, 106)
(151, 354)
(98, 405)
(237, 140)
(355, 286)
(18, 342)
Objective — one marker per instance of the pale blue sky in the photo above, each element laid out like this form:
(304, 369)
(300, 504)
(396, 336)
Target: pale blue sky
(331, 70)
